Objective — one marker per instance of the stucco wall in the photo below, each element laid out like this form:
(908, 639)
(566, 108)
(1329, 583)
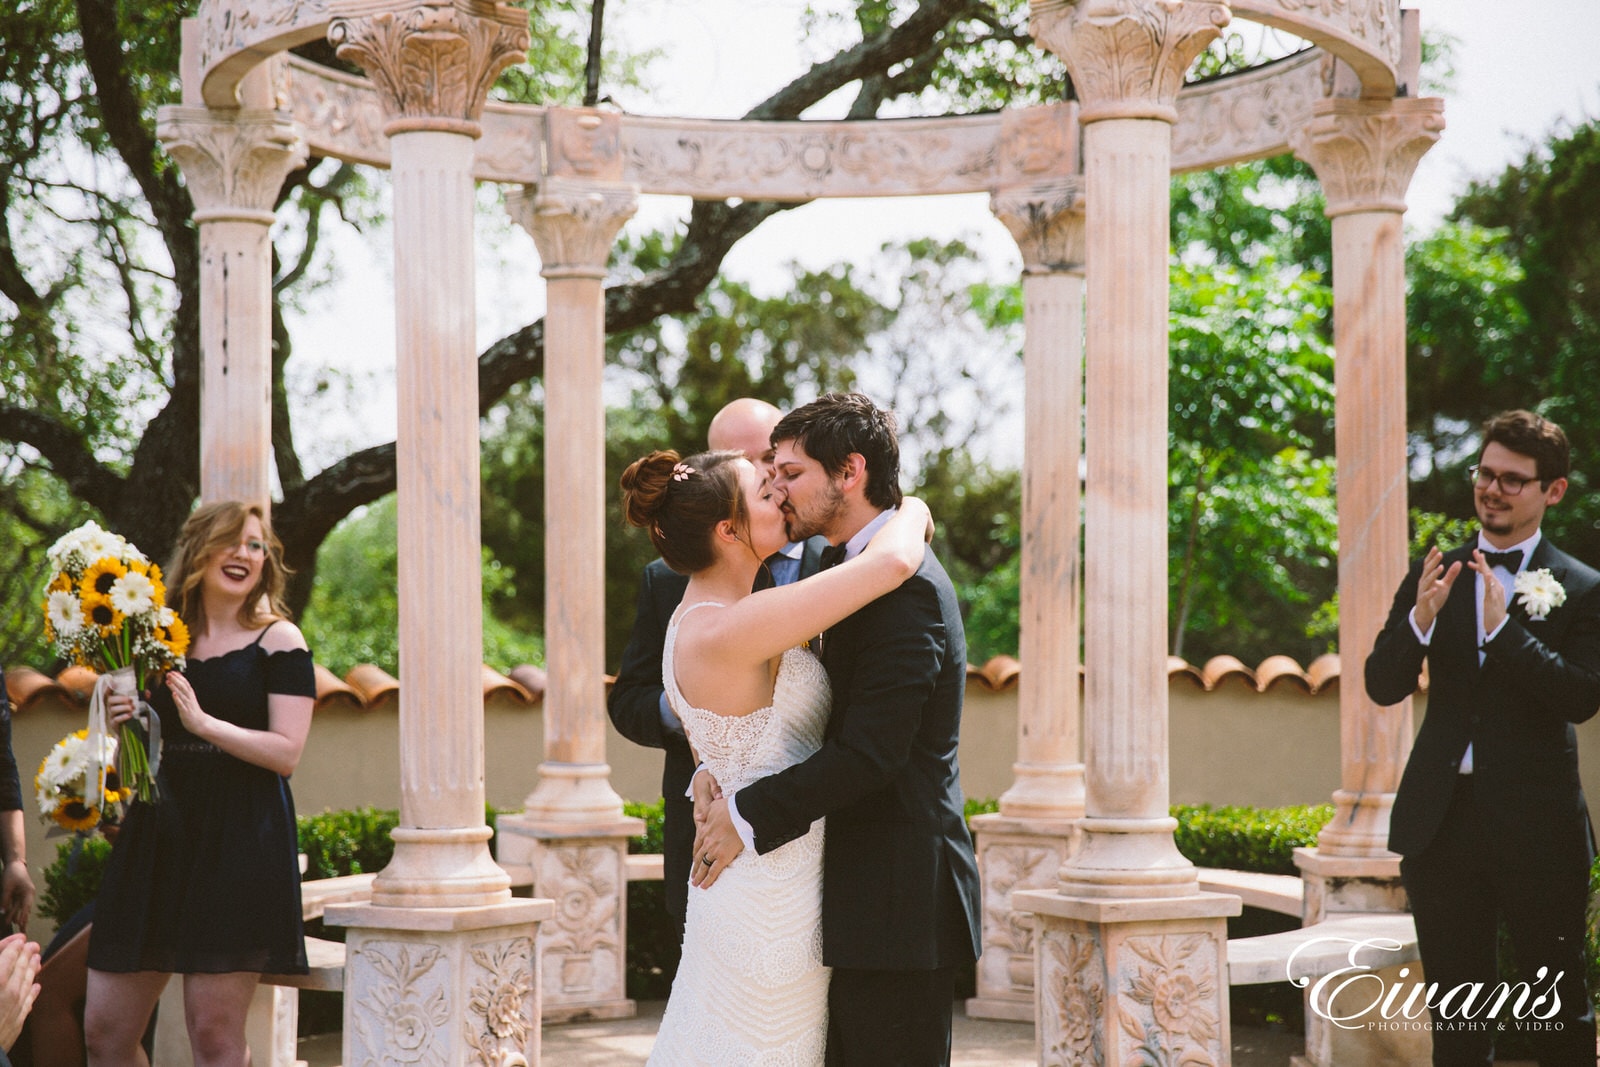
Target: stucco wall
(1231, 745)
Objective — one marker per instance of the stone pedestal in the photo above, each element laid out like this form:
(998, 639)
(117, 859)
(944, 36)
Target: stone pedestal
(583, 946)
(1014, 855)
(443, 986)
(1342, 884)
(1131, 981)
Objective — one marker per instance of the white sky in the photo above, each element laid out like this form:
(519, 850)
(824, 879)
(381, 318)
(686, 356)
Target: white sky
(1522, 68)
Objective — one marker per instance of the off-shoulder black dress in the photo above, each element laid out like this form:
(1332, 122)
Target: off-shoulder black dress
(207, 880)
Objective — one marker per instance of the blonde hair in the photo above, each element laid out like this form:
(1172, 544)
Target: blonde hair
(214, 528)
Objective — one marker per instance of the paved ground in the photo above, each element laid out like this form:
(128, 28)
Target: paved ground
(978, 1043)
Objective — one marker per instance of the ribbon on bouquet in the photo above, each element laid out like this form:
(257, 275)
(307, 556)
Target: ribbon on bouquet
(100, 731)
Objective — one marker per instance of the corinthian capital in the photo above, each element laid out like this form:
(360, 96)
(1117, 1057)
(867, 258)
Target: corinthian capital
(1365, 151)
(234, 163)
(573, 222)
(1127, 57)
(1047, 221)
(432, 61)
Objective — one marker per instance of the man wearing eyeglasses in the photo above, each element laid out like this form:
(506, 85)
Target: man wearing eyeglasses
(1490, 820)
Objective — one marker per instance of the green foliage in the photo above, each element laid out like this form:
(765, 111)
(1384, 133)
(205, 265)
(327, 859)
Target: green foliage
(1251, 516)
(1248, 839)
(653, 947)
(337, 843)
(352, 617)
(73, 881)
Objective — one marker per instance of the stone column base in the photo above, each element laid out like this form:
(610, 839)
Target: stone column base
(444, 986)
(1131, 981)
(584, 945)
(1013, 854)
(1336, 884)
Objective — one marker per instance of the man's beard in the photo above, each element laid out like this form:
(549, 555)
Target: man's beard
(798, 525)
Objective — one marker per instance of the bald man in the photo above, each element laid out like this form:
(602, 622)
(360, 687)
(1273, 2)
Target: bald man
(638, 703)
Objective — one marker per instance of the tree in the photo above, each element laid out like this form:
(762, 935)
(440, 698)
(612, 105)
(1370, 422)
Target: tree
(99, 348)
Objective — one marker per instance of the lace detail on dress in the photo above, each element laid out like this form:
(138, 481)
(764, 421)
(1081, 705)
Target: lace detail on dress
(751, 987)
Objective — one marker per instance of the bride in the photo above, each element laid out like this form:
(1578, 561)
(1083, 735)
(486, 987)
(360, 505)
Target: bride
(753, 700)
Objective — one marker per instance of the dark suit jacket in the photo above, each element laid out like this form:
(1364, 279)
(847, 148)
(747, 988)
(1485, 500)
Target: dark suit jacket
(1538, 678)
(635, 709)
(898, 871)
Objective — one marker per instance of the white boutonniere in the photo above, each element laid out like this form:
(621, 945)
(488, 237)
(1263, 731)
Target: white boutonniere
(1538, 593)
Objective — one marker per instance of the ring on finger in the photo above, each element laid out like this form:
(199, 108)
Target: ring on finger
(707, 860)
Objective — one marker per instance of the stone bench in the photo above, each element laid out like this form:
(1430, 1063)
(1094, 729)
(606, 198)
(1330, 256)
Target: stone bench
(1282, 893)
(1321, 949)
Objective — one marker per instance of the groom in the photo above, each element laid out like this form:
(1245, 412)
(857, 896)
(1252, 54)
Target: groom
(1490, 819)
(900, 881)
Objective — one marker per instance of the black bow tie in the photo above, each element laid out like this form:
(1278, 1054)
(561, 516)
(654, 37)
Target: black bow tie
(831, 556)
(1511, 561)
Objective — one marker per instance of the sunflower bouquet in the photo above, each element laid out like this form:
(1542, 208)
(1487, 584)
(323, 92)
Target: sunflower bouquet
(106, 609)
(61, 784)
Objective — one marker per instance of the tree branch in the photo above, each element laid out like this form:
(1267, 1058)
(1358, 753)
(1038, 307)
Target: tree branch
(67, 453)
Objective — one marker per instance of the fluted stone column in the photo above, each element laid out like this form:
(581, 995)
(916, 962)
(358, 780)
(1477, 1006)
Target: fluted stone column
(234, 164)
(443, 947)
(1023, 846)
(1130, 955)
(573, 836)
(1364, 153)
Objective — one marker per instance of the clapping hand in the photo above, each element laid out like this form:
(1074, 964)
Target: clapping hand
(19, 967)
(1433, 588)
(1494, 594)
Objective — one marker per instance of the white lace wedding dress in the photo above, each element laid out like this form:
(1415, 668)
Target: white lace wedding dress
(751, 988)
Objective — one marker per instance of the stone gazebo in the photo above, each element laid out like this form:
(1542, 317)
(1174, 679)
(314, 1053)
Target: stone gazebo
(1086, 895)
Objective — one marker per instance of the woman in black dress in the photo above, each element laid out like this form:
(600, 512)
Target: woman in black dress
(205, 882)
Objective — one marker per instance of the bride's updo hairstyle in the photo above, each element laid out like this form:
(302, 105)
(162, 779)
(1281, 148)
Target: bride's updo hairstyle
(680, 501)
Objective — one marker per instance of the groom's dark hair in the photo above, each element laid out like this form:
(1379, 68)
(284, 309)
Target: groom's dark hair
(837, 424)
(1533, 436)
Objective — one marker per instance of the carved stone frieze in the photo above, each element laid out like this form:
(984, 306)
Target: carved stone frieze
(340, 115)
(1365, 151)
(233, 164)
(1374, 25)
(584, 143)
(403, 999)
(1127, 57)
(805, 160)
(432, 61)
(573, 222)
(502, 1002)
(1169, 1005)
(1248, 116)
(581, 944)
(231, 29)
(1047, 221)
(1071, 998)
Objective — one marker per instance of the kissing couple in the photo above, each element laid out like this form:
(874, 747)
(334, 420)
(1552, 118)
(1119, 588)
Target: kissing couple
(835, 891)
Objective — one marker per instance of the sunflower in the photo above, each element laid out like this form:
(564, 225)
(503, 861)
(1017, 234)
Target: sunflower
(76, 815)
(61, 583)
(99, 577)
(175, 635)
(107, 619)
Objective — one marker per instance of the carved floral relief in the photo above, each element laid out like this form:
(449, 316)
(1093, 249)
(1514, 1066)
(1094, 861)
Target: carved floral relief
(1071, 998)
(403, 992)
(582, 942)
(1127, 52)
(1169, 1005)
(343, 118)
(1248, 116)
(502, 1007)
(1007, 960)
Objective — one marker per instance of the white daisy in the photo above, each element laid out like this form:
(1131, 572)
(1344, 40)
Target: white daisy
(133, 593)
(1539, 592)
(65, 613)
(99, 544)
(62, 764)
